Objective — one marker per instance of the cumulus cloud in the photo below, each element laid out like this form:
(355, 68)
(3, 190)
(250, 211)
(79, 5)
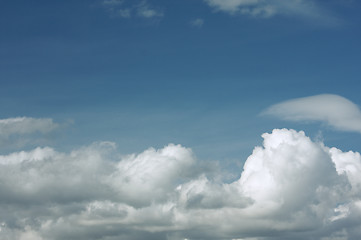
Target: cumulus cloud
(269, 8)
(291, 187)
(334, 110)
(153, 173)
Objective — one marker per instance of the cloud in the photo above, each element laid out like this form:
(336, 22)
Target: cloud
(269, 8)
(334, 110)
(25, 125)
(290, 188)
(197, 22)
(20, 131)
(253, 7)
(153, 173)
(144, 10)
(122, 8)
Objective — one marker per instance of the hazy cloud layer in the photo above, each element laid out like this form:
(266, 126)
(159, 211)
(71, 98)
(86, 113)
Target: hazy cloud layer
(290, 188)
(334, 110)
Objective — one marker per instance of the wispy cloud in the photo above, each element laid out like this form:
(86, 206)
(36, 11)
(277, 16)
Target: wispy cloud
(291, 187)
(21, 131)
(334, 110)
(25, 125)
(252, 7)
(128, 9)
(308, 9)
(198, 22)
(146, 11)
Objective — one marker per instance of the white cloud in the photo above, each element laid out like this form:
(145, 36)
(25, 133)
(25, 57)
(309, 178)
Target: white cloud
(291, 187)
(197, 22)
(151, 175)
(37, 154)
(289, 163)
(25, 131)
(349, 164)
(334, 110)
(269, 8)
(25, 125)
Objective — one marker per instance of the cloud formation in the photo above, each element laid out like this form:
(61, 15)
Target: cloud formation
(290, 188)
(144, 10)
(267, 8)
(334, 110)
(122, 8)
(25, 125)
(20, 131)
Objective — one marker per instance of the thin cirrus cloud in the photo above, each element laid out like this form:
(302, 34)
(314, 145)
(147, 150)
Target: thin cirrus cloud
(95, 193)
(334, 110)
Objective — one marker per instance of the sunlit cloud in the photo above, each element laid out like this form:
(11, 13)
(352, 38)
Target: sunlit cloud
(289, 187)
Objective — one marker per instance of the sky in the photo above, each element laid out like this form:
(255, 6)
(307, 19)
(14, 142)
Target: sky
(175, 120)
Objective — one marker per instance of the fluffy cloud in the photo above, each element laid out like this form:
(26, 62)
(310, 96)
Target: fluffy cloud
(290, 188)
(267, 8)
(151, 175)
(334, 110)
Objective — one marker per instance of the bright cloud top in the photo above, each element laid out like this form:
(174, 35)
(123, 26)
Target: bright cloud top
(291, 187)
(334, 110)
(266, 8)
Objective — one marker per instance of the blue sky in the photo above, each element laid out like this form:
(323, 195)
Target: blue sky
(199, 73)
(78, 61)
